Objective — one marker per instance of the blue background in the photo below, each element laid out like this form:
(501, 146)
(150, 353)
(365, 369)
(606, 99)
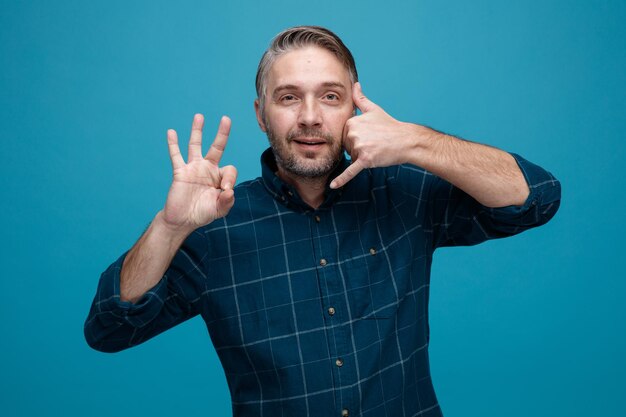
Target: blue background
(531, 325)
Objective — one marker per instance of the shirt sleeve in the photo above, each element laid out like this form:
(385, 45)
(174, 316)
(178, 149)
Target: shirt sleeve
(457, 219)
(113, 325)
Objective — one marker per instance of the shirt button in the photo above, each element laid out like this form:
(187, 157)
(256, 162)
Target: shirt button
(323, 262)
(331, 311)
(372, 251)
(317, 219)
(339, 362)
(345, 412)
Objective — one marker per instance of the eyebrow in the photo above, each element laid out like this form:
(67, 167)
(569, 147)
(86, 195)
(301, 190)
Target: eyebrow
(327, 84)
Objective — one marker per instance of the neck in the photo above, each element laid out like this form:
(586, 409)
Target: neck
(311, 190)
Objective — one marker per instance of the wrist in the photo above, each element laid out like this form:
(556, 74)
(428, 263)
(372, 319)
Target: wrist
(422, 145)
(173, 233)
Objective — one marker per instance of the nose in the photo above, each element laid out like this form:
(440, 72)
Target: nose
(310, 114)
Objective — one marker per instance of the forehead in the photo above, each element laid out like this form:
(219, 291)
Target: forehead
(307, 67)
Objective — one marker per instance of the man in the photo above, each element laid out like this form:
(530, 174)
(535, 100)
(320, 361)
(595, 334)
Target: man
(313, 279)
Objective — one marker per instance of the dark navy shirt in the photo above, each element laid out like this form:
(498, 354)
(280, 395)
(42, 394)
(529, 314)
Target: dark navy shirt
(319, 312)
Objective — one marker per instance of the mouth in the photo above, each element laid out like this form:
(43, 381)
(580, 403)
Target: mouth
(310, 143)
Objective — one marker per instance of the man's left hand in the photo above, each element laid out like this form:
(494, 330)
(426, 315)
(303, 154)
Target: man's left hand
(373, 139)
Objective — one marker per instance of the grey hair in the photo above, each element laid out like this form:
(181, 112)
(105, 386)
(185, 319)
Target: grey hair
(295, 38)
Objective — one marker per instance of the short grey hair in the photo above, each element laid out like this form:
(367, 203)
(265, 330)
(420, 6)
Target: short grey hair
(300, 37)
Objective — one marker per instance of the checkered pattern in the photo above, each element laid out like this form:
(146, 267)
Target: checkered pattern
(319, 312)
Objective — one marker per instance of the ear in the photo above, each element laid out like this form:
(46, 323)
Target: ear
(259, 116)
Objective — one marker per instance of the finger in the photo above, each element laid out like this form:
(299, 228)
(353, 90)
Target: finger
(225, 202)
(362, 102)
(346, 139)
(195, 140)
(229, 177)
(347, 175)
(172, 144)
(219, 143)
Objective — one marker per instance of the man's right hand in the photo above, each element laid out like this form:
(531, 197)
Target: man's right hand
(201, 191)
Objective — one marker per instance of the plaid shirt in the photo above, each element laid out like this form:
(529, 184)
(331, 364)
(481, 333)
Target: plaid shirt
(319, 312)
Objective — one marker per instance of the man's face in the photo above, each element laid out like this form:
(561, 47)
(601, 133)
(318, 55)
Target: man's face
(308, 101)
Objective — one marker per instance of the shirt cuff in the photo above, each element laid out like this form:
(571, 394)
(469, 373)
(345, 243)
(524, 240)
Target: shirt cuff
(542, 201)
(111, 309)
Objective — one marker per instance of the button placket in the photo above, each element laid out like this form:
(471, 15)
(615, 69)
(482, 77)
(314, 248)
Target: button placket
(324, 243)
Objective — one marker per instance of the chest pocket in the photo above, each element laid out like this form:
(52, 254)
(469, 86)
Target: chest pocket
(372, 284)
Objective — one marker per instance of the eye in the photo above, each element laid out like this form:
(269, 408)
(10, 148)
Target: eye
(331, 97)
(288, 97)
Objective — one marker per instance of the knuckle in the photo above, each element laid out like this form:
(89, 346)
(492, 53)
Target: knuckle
(365, 158)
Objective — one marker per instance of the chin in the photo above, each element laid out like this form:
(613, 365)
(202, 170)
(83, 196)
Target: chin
(313, 168)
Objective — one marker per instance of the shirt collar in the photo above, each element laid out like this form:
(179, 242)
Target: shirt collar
(287, 194)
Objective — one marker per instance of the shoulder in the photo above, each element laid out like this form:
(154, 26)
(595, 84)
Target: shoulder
(389, 185)
(407, 178)
(249, 186)
(252, 190)
(252, 200)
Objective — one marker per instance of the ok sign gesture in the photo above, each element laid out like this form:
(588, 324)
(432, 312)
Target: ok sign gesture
(201, 191)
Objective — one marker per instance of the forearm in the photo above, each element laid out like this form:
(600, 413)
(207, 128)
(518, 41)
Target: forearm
(489, 175)
(148, 260)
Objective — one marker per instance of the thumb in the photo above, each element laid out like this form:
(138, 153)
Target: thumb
(225, 202)
(362, 102)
